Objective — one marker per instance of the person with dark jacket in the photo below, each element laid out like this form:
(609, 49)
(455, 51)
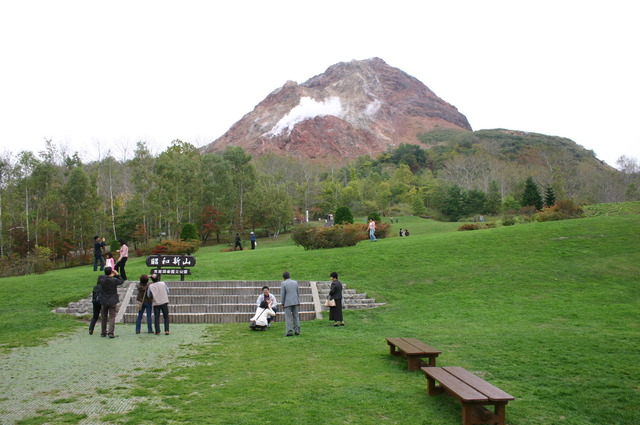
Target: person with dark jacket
(237, 242)
(96, 296)
(97, 253)
(145, 303)
(335, 293)
(109, 283)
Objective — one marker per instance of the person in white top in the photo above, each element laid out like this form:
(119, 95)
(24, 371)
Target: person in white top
(270, 299)
(260, 319)
(159, 293)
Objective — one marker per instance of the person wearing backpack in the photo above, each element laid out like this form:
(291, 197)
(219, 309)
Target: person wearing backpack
(144, 303)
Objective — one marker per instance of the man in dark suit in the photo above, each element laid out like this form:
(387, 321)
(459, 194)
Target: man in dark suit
(290, 299)
(109, 283)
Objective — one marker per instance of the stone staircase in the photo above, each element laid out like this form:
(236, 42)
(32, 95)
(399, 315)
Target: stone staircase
(235, 301)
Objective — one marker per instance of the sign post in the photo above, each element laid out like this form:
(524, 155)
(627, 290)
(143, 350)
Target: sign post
(171, 264)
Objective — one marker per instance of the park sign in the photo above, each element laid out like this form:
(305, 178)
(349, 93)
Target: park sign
(171, 264)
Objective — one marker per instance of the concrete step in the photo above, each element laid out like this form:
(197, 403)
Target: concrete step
(216, 308)
(216, 317)
(224, 301)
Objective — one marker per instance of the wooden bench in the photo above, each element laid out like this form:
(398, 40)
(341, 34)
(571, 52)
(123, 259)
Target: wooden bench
(414, 350)
(473, 393)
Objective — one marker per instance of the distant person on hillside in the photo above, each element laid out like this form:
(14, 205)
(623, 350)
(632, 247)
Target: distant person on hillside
(144, 303)
(110, 261)
(237, 242)
(406, 232)
(109, 283)
(290, 297)
(98, 244)
(261, 318)
(122, 259)
(159, 292)
(372, 230)
(252, 238)
(335, 293)
(401, 233)
(271, 301)
(481, 219)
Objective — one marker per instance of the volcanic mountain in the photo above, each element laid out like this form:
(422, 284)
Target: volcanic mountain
(352, 109)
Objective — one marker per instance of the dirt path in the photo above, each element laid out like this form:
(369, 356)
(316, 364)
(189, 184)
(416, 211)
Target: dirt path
(83, 374)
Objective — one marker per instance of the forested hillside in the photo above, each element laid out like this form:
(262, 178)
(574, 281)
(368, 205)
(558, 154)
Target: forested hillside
(52, 204)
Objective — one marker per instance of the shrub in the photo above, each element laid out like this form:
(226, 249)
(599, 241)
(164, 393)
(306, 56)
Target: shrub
(343, 215)
(189, 232)
(312, 237)
(468, 227)
(375, 216)
(178, 247)
(508, 221)
(563, 210)
(114, 245)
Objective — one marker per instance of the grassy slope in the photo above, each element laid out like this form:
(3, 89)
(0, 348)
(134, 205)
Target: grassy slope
(546, 311)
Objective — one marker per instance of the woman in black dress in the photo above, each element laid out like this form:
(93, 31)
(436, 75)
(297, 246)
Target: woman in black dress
(335, 293)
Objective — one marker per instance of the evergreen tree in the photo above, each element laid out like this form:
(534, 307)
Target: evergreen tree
(343, 215)
(375, 216)
(531, 195)
(549, 197)
(454, 202)
(188, 232)
(494, 199)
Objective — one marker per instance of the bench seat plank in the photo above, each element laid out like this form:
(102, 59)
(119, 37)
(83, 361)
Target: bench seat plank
(427, 349)
(493, 393)
(455, 386)
(405, 346)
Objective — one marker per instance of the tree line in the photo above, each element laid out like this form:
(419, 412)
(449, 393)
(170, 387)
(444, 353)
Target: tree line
(58, 203)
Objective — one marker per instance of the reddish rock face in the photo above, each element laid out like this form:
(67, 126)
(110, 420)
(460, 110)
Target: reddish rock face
(352, 109)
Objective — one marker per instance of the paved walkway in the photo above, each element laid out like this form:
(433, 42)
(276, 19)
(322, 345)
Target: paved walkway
(85, 374)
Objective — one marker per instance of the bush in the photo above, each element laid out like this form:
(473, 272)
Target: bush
(508, 221)
(178, 247)
(343, 215)
(189, 232)
(375, 216)
(562, 210)
(312, 237)
(468, 227)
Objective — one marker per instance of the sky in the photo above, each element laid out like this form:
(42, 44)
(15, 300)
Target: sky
(97, 77)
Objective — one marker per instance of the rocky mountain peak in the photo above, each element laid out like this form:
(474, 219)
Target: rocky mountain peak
(353, 108)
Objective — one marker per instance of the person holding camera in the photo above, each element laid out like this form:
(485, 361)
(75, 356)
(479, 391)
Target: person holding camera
(98, 245)
(109, 283)
(271, 301)
(260, 320)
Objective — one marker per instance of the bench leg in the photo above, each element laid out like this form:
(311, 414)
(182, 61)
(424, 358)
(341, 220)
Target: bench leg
(468, 414)
(392, 350)
(415, 363)
(500, 413)
(432, 388)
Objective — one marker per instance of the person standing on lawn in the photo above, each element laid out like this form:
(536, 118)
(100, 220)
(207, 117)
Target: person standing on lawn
(159, 292)
(335, 293)
(372, 230)
(98, 244)
(109, 283)
(290, 299)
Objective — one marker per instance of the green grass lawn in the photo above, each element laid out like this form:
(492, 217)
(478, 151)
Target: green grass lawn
(549, 312)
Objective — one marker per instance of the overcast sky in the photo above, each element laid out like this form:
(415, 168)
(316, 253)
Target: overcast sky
(98, 76)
